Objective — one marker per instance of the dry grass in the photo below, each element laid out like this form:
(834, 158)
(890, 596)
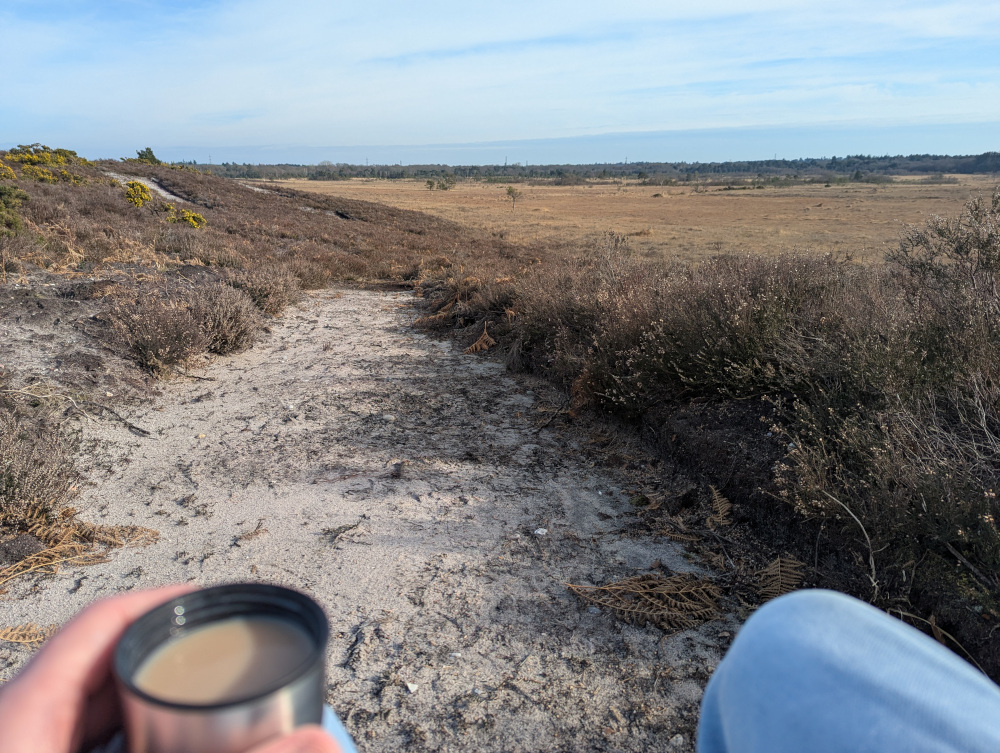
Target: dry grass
(861, 219)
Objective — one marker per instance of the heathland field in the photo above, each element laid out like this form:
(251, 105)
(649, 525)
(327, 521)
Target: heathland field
(643, 395)
(860, 219)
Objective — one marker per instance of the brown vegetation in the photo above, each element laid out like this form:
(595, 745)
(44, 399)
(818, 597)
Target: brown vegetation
(848, 413)
(36, 468)
(685, 221)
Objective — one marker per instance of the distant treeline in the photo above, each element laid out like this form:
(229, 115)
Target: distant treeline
(856, 167)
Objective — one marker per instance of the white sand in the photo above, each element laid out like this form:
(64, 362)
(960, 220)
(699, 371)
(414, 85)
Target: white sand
(452, 628)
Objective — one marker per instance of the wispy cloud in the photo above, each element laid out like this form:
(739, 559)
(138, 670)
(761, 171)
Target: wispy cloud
(510, 47)
(312, 72)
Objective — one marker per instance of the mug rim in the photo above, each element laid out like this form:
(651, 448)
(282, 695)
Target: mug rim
(162, 624)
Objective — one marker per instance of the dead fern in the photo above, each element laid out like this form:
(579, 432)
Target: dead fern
(64, 528)
(671, 603)
(782, 576)
(51, 558)
(485, 342)
(717, 561)
(29, 634)
(677, 530)
(115, 537)
(71, 542)
(441, 314)
(251, 534)
(721, 509)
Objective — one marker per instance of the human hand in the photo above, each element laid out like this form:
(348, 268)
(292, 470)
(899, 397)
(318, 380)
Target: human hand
(65, 699)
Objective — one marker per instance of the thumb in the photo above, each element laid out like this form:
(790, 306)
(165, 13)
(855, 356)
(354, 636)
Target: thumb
(310, 739)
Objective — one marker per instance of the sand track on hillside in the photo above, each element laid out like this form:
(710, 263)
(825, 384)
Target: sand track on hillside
(401, 483)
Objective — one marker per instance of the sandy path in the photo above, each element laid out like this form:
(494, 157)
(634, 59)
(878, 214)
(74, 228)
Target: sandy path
(401, 483)
(149, 183)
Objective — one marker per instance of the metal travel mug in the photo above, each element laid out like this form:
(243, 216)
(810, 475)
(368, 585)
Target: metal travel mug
(293, 698)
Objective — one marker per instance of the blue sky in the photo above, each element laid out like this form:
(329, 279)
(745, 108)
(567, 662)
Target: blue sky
(462, 82)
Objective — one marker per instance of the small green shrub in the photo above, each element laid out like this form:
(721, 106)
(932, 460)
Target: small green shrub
(6, 172)
(146, 155)
(11, 198)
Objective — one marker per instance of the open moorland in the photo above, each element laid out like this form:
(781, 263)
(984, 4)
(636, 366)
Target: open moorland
(863, 220)
(536, 474)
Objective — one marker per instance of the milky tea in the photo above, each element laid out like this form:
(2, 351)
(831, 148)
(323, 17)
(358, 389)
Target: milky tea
(224, 661)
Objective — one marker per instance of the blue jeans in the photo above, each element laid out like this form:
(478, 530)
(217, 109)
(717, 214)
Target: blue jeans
(820, 672)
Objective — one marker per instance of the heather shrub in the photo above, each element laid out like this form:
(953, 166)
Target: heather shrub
(730, 327)
(883, 380)
(271, 288)
(311, 274)
(909, 438)
(884, 387)
(345, 266)
(179, 241)
(227, 316)
(36, 469)
(158, 331)
(224, 256)
(957, 256)
(565, 310)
